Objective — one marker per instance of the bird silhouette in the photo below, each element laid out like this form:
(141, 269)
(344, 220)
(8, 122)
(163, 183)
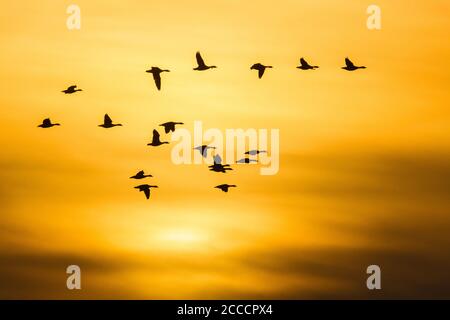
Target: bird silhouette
(203, 149)
(201, 66)
(48, 124)
(305, 65)
(224, 187)
(140, 175)
(218, 166)
(71, 89)
(255, 152)
(107, 123)
(155, 140)
(169, 126)
(349, 66)
(261, 68)
(157, 75)
(146, 189)
(246, 160)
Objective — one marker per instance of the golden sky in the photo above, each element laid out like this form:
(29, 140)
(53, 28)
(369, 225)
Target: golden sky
(364, 156)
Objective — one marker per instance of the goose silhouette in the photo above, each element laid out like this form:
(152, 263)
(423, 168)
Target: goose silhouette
(157, 75)
(261, 68)
(218, 166)
(255, 152)
(201, 66)
(305, 65)
(203, 149)
(349, 66)
(71, 89)
(224, 187)
(47, 124)
(146, 189)
(107, 123)
(246, 160)
(169, 126)
(155, 140)
(141, 175)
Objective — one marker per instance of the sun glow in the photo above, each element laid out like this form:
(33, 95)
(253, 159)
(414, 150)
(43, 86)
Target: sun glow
(182, 237)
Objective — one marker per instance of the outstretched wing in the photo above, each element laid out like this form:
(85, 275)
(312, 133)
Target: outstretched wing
(147, 193)
(157, 78)
(46, 122)
(217, 159)
(304, 63)
(167, 127)
(261, 72)
(155, 136)
(199, 58)
(349, 63)
(140, 173)
(107, 120)
(71, 87)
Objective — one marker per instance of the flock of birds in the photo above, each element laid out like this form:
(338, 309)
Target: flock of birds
(202, 66)
(217, 165)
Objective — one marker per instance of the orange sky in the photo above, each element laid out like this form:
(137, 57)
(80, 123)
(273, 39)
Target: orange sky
(364, 156)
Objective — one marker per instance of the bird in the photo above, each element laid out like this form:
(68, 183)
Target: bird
(107, 123)
(170, 126)
(48, 124)
(201, 66)
(155, 140)
(146, 189)
(157, 75)
(261, 68)
(255, 152)
(349, 66)
(203, 149)
(218, 166)
(305, 65)
(71, 89)
(246, 160)
(224, 187)
(141, 175)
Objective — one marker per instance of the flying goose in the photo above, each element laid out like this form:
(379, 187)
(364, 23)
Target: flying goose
(305, 65)
(218, 166)
(155, 140)
(48, 124)
(224, 187)
(201, 66)
(261, 68)
(169, 126)
(255, 152)
(146, 189)
(349, 66)
(71, 89)
(203, 149)
(107, 122)
(157, 75)
(141, 175)
(246, 160)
